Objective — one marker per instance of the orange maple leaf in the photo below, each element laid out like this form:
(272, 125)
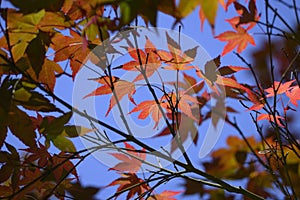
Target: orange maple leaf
(176, 59)
(47, 74)
(149, 107)
(294, 95)
(130, 180)
(230, 82)
(165, 195)
(72, 48)
(119, 87)
(238, 39)
(183, 101)
(129, 163)
(270, 118)
(149, 58)
(279, 87)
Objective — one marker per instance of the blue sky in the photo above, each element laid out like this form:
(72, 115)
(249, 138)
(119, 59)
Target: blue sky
(93, 172)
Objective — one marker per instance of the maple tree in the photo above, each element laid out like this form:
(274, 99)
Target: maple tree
(47, 44)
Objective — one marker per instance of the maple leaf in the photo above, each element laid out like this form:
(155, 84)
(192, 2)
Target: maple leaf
(23, 28)
(176, 59)
(40, 154)
(182, 100)
(294, 95)
(165, 195)
(130, 180)
(119, 87)
(229, 2)
(129, 163)
(149, 59)
(47, 74)
(208, 9)
(247, 17)
(63, 165)
(190, 83)
(227, 162)
(227, 70)
(238, 39)
(231, 82)
(270, 118)
(210, 73)
(149, 107)
(280, 88)
(72, 48)
(54, 20)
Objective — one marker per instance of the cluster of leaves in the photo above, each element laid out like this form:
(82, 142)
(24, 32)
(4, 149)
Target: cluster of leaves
(38, 37)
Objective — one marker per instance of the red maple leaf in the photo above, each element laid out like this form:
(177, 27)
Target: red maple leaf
(130, 180)
(62, 165)
(130, 162)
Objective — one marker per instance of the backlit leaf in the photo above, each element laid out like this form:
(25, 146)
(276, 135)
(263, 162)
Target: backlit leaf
(150, 61)
(147, 108)
(238, 39)
(209, 10)
(178, 60)
(72, 48)
(185, 7)
(63, 165)
(21, 126)
(129, 180)
(63, 144)
(23, 29)
(165, 195)
(129, 163)
(75, 131)
(120, 87)
(294, 95)
(270, 118)
(280, 88)
(32, 100)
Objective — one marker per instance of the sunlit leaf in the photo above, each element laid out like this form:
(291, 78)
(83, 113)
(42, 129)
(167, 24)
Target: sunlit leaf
(270, 118)
(294, 95)
(238, 39)
(72, 48)
(120, 88)
(22, 29)
(147, 108)
(280, 88)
